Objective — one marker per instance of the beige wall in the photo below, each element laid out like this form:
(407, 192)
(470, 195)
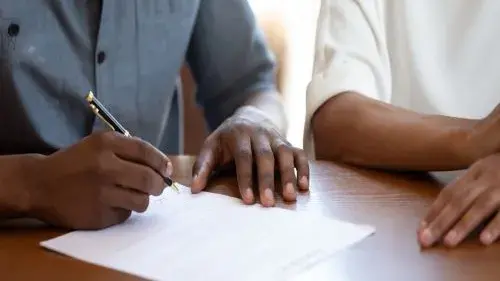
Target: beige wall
(299, 20)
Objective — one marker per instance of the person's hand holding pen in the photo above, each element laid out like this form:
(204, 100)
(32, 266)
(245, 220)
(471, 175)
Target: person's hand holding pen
(96, 182)
(106, 117)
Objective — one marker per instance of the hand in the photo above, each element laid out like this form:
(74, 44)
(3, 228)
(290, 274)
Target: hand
(97, 182)
(249, 137)
(463, 205)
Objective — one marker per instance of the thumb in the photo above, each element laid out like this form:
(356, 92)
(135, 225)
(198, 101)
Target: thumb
(202, 169)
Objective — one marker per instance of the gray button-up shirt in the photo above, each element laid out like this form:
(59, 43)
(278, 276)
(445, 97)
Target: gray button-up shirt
(129, 53)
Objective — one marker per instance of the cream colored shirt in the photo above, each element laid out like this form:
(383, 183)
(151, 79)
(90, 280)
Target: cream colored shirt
(431, 56)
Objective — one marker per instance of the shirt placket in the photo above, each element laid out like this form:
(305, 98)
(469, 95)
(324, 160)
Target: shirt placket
(116, 64)
(100, 64)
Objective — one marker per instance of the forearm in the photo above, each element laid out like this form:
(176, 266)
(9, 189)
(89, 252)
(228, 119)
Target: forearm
(271, 106)
(14, 195)
(357, 130)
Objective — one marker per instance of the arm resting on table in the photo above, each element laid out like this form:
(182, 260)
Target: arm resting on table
(349, 115)
(362, 131)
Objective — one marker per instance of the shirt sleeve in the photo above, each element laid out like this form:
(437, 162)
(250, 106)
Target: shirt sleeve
(229, 58)
(350, 55)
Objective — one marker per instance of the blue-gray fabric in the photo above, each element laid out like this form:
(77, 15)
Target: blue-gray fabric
(49, 60)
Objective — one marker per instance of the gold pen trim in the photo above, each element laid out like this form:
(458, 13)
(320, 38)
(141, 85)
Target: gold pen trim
(90, 99)
(90, 96)
(96, 111)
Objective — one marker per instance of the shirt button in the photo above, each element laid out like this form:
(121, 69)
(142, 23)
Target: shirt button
(101, 56)
(13, 29)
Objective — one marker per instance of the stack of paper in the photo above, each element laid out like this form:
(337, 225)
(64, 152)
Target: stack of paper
(211, 237)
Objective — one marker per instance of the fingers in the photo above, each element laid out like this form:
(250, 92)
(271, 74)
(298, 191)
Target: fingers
(138, 177)
(243, 159)
(128, 199)
(106, 219)
(457, 207)
(249, 146)
(264, 157)
(482, 208)
(139, 151)
(442, 200)
(436, 207)
(491, 233)
(458, 210)
(203, 167)
(302, 165)
(285, 156)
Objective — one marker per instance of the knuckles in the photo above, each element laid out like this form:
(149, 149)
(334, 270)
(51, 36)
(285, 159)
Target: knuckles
(284, 149)
(239, 126)
(265, 152)
(244, 154)
(105, 164)
(102, 140)
(141, 149)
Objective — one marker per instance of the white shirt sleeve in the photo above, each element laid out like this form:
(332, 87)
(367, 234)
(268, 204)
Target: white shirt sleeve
(350, 55)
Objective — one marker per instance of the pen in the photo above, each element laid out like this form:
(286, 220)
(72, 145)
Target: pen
(103, 114)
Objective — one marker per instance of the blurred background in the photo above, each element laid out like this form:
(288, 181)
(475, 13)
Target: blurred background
(290, 29)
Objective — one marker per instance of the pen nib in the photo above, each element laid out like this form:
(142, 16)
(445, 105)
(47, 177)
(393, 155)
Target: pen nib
(174, 187)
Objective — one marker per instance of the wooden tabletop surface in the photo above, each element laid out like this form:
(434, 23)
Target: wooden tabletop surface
(392, 203)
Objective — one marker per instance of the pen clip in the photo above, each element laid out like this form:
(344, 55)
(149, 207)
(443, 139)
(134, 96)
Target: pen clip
(97, 107)
(96, 111)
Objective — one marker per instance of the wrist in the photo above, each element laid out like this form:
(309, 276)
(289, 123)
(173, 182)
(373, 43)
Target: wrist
(483, 139)
(18, 183)
(474, 145)
(257, 115)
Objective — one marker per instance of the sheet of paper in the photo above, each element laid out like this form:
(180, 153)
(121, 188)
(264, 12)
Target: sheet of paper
(194, 237)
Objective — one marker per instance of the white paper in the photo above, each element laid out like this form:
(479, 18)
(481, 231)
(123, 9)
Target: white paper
(207, 236)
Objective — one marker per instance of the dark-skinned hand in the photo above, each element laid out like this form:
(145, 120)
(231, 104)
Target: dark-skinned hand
(249, 139)
(97, 182)
(465, 204)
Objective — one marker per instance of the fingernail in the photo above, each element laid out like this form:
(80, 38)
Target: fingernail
(170, 169)
(304, 182)
(289, 189)
(487, 238)
(268, 195)
(249, 194)
(451, 238)
(426, 237)
(193, 181)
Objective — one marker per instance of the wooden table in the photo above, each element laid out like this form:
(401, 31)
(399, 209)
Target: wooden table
(392, 203)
